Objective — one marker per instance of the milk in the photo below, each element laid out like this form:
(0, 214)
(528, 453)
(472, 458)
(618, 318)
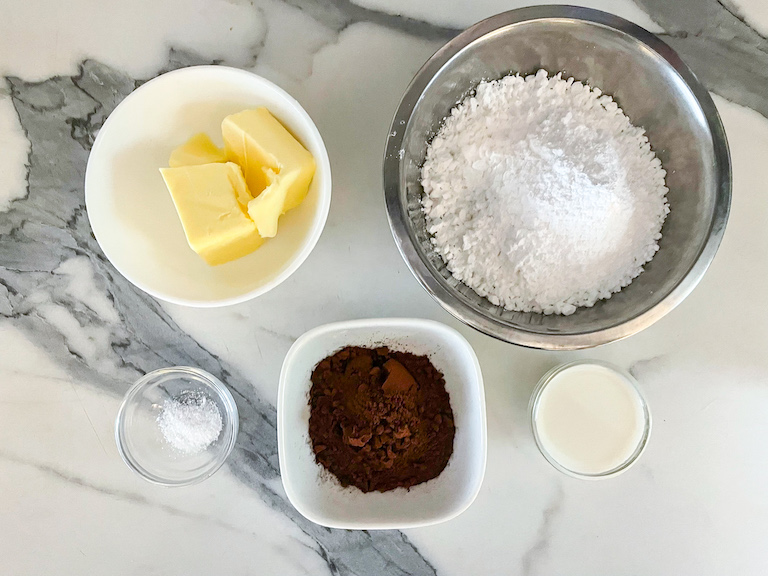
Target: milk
(590, 419)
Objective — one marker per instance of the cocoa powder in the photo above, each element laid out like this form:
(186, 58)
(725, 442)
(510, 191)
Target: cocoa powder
(380, 419)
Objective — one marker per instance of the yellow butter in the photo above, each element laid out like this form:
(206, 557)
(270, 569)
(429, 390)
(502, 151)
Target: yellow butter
(277, 168)
(197, 150)
(215, 221)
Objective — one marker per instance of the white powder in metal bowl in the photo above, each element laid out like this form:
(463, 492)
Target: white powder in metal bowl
(541, 195)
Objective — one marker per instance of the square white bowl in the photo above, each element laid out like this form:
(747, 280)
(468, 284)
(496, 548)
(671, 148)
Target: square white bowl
(317, 494)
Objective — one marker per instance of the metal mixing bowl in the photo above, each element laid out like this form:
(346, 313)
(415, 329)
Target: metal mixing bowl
(655, 89)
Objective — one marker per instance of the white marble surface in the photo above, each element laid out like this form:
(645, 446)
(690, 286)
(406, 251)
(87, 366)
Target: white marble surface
(73, 336)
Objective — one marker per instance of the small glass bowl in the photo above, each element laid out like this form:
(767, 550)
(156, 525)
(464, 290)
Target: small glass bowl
(534, 405)
(141, 443)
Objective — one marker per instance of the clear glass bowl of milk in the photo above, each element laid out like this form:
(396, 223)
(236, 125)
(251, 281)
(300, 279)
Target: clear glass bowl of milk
(589, 419)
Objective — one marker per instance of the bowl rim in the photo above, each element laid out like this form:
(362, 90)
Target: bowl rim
(417, 263)
(322, 161)
(393, 324)
(147, 380)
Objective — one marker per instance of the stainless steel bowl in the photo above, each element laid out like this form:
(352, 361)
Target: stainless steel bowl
(655, 89)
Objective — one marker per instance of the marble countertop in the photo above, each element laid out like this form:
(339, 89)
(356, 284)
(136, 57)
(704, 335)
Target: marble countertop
(74, 334)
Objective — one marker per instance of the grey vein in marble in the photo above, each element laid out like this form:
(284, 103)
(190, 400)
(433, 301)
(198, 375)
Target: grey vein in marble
(726, 54)
(540, 545)
(639, 367)
(338, 14)
(123, 495)
(49, 228)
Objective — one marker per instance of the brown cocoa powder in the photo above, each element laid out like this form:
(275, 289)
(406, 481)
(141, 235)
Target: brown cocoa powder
(380, 419)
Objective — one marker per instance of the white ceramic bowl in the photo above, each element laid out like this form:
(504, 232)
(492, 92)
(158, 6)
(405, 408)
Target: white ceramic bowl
(132, 214)
(317, 494)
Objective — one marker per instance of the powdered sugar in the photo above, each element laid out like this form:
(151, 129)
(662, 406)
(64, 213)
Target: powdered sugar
(541, 195)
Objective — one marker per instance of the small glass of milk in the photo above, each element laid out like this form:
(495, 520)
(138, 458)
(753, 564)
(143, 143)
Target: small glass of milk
(589, 419)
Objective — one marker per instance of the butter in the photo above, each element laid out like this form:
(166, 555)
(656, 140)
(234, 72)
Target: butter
(278, 169)
(200, 149)
(197, 150)
(215, 220)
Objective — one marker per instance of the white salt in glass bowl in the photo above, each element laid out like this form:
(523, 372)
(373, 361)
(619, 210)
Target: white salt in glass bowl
(141, 443)
(131, 212)
(654, 88)
(317, 494)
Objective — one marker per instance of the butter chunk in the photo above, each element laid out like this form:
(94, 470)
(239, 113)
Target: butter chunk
(200, 149)
(278, 169)
(197, 150)
(215, 222)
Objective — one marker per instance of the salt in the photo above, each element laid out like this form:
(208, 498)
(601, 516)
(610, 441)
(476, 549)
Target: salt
(190, 422)
(541, 195)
